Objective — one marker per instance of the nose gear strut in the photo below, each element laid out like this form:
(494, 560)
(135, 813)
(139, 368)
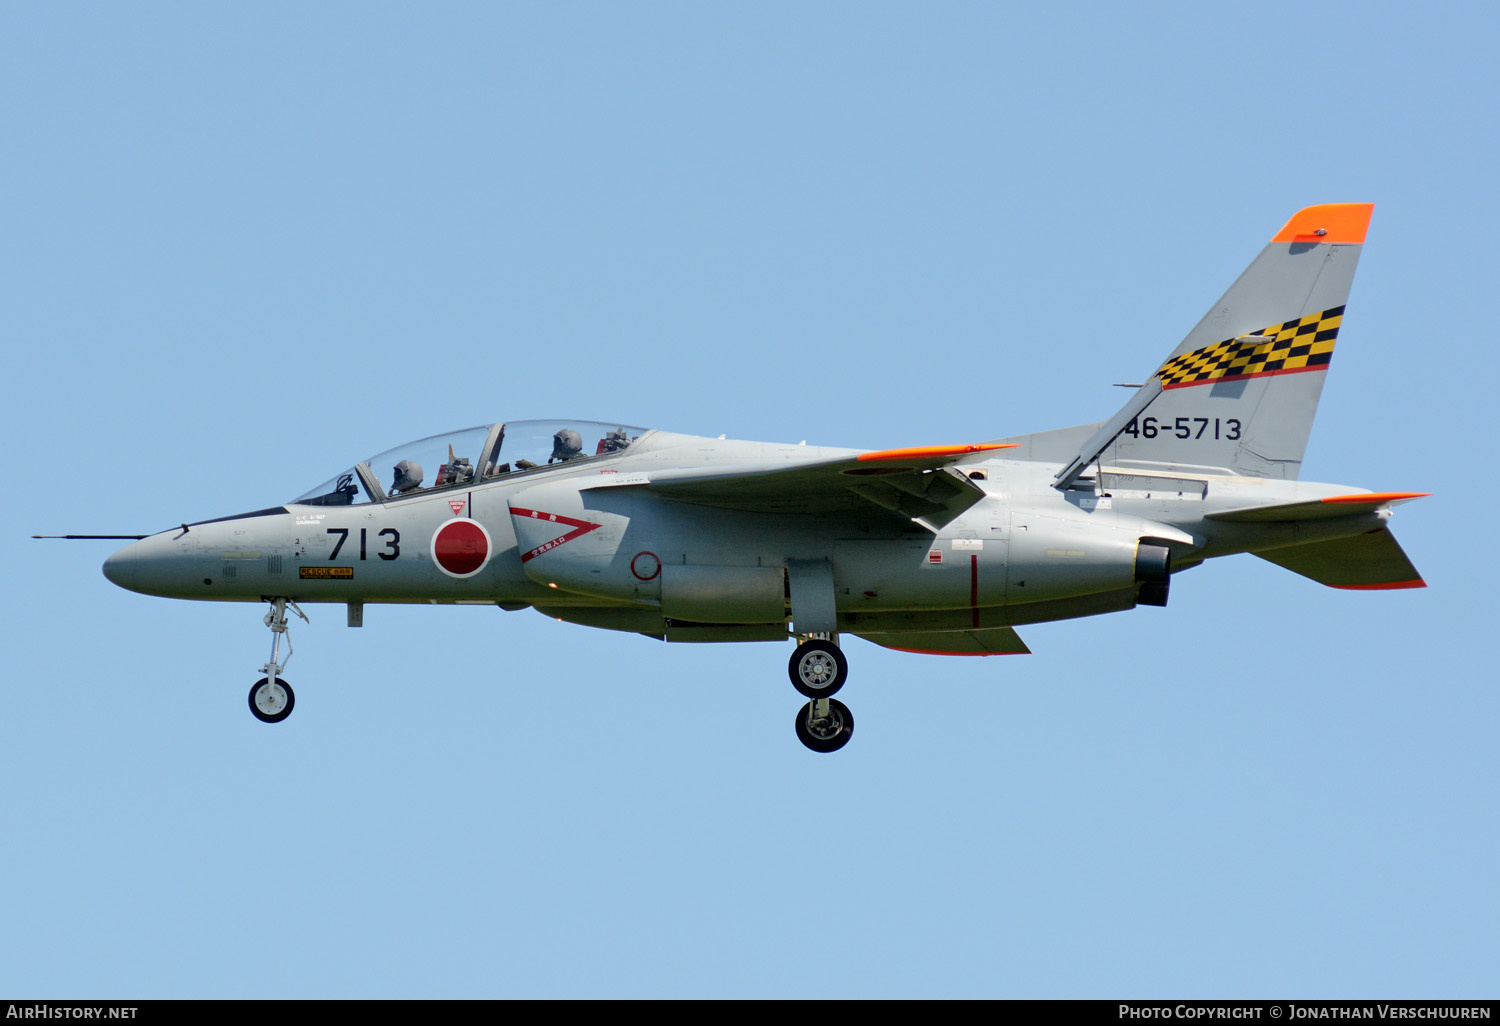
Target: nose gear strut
(271, 698)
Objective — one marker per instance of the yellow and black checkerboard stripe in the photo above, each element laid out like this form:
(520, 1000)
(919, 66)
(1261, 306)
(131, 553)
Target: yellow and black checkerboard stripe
(1300, 345)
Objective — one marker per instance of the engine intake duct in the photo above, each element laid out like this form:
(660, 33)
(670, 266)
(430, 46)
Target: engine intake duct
(1153, 574)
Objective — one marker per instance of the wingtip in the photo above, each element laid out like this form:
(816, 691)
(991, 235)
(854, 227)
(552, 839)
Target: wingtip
(924, 452)
(1377, 498)
(1328, 222)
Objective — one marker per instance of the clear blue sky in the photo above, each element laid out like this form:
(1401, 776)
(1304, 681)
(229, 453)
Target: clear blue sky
(245, 245)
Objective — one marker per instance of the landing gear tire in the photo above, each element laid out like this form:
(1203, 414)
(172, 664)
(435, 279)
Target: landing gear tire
(817, 668)
(271, 701)
(829, 731)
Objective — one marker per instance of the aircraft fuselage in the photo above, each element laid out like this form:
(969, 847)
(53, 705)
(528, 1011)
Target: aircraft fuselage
(593, 543)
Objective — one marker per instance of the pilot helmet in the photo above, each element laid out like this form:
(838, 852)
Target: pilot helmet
(566, 444)
(408, 476)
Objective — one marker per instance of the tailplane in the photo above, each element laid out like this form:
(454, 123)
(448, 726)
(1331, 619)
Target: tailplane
(1368, 561)
(1238, 396)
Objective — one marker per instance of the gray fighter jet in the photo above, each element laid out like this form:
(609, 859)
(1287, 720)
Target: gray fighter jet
(942, 549)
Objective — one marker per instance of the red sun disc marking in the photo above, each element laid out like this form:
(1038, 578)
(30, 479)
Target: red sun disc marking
(460, 547)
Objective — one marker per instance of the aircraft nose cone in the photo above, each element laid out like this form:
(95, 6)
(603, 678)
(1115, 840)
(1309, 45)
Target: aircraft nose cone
(158, 565)
(124, 567)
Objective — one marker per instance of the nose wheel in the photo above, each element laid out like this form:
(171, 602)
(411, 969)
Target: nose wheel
(271, 698)
(271, 701)
(818, 669)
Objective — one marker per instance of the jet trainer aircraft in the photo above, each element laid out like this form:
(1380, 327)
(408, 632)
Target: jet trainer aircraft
(939, 549)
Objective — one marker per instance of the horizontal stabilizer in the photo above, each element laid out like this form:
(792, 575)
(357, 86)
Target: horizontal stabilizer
(1367, 561)
(988, 641)
(1317, 509)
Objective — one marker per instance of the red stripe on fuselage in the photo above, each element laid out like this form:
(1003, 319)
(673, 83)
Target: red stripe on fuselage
(974, 586)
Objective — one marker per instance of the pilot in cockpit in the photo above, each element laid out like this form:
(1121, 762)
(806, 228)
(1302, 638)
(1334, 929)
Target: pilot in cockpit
(408, 477)
(567, 444)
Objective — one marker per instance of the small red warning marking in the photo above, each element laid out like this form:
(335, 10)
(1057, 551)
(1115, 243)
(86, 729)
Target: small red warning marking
(645, 566)
(460, 548)
(934, 555)
(457, 505)
(580, 528)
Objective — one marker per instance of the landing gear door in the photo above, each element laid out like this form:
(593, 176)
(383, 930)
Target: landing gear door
(810, 582)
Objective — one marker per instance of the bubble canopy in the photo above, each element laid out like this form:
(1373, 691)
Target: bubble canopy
(475, 455)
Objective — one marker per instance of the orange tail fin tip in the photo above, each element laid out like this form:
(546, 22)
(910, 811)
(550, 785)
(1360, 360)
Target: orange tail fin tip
(1328, 222)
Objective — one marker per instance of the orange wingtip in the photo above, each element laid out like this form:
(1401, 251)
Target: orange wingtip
(928, 452)
(1377, 498)
(1328, 222)
(1414, 583)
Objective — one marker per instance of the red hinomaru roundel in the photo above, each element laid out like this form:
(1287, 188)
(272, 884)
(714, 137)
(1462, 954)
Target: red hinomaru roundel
(461, 547)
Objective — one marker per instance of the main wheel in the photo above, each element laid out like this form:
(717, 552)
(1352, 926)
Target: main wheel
(817, 668)
(271, 701)
(828, 733)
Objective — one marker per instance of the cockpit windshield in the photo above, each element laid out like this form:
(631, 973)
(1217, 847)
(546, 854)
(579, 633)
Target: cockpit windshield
(471, 456)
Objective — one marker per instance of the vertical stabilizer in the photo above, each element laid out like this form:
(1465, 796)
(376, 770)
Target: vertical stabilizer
(1240, 393)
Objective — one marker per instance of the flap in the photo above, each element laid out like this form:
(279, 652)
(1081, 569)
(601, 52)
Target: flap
(987, 641)
(910, 483)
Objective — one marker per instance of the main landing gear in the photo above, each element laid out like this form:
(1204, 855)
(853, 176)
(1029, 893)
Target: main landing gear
(271, 698)
(818, 669)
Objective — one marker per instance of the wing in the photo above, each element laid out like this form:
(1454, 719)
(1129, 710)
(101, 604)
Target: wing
(917, 483)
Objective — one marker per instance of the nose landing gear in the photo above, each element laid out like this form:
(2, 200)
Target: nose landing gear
(271, 701)
(818, 669)
(271, 698)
